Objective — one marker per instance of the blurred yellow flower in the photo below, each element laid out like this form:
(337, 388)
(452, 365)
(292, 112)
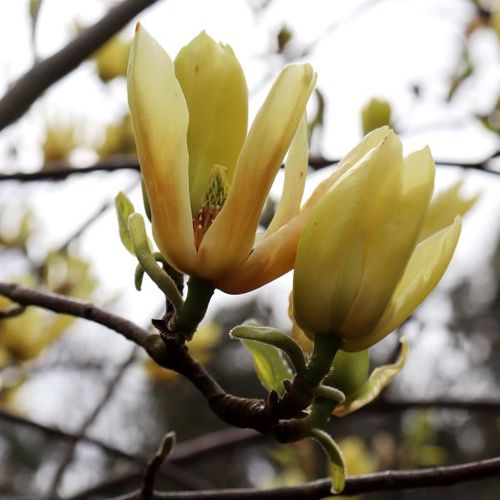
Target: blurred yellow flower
(375, 113)
(112, 59)
(207, 179)
(58, 144)
(28, 334)
(357, 456)
(444, 208)
(360, 269)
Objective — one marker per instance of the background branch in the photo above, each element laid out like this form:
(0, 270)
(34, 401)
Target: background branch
(40, 77)
(379, 481)
(65, 305)
(62, 172)
(129, 162)
(69, 452)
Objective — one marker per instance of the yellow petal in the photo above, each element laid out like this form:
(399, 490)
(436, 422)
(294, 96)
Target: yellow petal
(271, 258)
(160, 121)
(425, 268)
(371, 217)
(388, 233)
(216, 94)
(329, 253)
(295, 179)
(444, 208)
(370, 141)
(229, 240)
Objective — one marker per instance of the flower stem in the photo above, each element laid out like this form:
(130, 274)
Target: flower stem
(320, 363)
(195, 306)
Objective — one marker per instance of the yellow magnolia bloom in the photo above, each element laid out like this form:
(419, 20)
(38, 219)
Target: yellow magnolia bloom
(360, 269)
(207, 178)
(111, 59)
(375, 113)
(444, 208)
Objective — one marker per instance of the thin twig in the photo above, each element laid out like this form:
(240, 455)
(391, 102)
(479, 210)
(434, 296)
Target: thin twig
(128, 162)
(194, 449)
(355, 485)
(40, 77)
(62, 172)
(106, 397)
(153, 467)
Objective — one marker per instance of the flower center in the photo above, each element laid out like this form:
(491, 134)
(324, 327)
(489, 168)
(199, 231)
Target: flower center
(213, 201)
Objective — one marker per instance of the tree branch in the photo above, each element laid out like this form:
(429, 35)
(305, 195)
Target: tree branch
(355, 485)
(40, 77)
(65, 305)
(129, 162)
(62, 172)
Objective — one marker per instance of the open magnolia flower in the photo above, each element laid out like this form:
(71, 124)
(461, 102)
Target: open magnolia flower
(207, 179)
(361, 267)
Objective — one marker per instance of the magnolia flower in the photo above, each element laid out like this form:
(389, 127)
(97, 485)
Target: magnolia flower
(360, 269)
(207, 179)
(375, 113)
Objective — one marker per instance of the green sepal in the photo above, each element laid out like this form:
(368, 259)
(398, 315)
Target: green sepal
(147, 260)
(139, 271)
(350, 371)
(331, 393)
(379, 379)
(145, 199)
(124, 209)
(273, 337)
(333, 452)
(270, 365)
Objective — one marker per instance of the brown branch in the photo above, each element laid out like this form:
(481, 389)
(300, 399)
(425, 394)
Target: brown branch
(62, 172)
(40, 77)
(355, 485)
(129, 162)
(485, 165)
(194, 449)
(65, 305)
(389, 405)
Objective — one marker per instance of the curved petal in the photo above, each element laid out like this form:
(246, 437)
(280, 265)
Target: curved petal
(295, 179)
(369, 142)
(444, 208)
(160, 121)
(230, 238)
(270, 259)
(425, 268)
(389, 231)
(275, 255)
(329, 253)
(215, 89)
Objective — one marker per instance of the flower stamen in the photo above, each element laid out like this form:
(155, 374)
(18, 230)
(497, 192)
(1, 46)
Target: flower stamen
(213, 201)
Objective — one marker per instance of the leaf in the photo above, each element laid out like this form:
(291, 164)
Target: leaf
(379, 379)
(333, 452)
(274, 337)
(147, 260)
(124, 209)
(270, 365)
